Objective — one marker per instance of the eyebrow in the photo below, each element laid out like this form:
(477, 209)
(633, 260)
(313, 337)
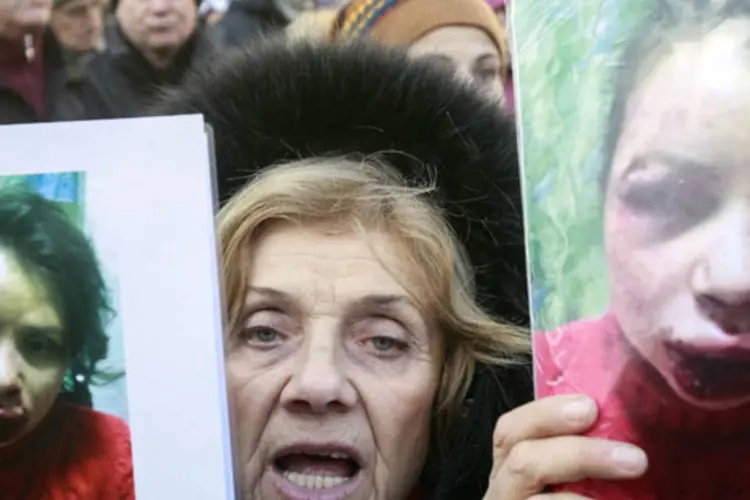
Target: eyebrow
(676, 160)
(485, 57)
(440, 59)
(367, 301)
(670, 160)
(44, 331)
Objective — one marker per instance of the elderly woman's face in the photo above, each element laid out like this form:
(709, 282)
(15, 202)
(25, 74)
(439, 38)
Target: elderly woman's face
(470, 51)
(677, 220)
(332, 375)
(33, 359)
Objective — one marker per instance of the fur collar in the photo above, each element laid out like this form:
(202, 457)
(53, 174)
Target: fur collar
(278, 101)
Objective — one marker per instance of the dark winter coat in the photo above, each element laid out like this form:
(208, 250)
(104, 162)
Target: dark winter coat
(248, 20)
(59, 98)
(121, 83)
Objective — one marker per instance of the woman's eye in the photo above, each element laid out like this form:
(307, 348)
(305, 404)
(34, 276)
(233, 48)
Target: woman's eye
(387, 346)
(671, 197)
(261, 335)
(487, 75)
(39, 349)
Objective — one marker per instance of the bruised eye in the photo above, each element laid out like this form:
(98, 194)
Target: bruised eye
(678, 196)
(40, 349)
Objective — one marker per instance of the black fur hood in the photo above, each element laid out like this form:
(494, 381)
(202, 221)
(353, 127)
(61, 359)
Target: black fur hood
(279, 102)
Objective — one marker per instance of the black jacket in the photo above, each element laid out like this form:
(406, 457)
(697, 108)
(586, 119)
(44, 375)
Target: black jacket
(60, 91)
(121, 83)
(282, 102)
(247, 20)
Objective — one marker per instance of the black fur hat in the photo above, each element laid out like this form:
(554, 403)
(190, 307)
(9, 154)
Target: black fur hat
(279, 102)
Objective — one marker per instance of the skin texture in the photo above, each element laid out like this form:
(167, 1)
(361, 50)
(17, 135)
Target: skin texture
(677, 218)
(21, 17)
(538, 444)
(32, 349)
(318, 362)
(470, 51)
(158, 28)
(78, 24)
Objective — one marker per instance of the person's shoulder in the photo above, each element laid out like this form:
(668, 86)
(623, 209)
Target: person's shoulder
(103, 447)
(100, 427)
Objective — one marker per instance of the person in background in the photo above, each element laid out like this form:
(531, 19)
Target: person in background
(502, 10)
(463, 34)
(32, 76)
(152, 45)
(247, 20)
(53, 311)
(79, 27)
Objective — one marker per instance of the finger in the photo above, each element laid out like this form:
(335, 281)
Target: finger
(546, 417)
(533, 465)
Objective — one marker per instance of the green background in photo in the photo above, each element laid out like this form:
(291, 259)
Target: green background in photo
(565, 51)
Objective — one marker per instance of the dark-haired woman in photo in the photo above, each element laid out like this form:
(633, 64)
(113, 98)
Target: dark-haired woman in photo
(53, 304)
(669, 364)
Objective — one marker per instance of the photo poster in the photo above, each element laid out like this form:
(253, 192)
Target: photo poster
(634, 120)
(68, 191)
(142, 193)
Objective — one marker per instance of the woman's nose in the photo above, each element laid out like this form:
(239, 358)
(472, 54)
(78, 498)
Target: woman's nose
(159, 6)
(319, 384)
(721, 282)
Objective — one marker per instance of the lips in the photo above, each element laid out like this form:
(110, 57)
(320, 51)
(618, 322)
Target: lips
(317, 472)
(711, 374)
(11, 407)
(11, 412)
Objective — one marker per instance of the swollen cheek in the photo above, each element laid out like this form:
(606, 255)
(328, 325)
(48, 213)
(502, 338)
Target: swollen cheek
(624, 228)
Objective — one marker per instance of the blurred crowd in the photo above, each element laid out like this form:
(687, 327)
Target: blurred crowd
(95, 59)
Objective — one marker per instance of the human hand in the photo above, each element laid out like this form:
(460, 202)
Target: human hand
(539, 445)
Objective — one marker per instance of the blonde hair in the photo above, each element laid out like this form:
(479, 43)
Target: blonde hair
(312, 26)
(371, 196)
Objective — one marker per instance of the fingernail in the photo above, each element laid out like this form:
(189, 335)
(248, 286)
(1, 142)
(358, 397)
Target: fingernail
(580, 411)
(630, 459)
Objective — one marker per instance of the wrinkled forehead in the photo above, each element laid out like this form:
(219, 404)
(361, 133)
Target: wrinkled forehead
(335, 254)
(459, 43)
(73, 5)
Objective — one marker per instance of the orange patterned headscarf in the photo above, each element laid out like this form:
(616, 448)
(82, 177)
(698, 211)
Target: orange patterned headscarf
(403, 22)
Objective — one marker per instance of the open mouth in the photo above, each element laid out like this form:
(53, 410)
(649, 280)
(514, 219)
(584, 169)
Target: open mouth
(11, 407)
(712, 376)
(333, 471)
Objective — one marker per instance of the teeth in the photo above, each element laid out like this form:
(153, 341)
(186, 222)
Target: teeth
(331, 454)
(314, 481)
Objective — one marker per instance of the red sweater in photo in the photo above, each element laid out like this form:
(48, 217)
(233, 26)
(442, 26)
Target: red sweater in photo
(75, 454)
(693, 454)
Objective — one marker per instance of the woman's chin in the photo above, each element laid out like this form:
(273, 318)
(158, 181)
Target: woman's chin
(289, 485)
